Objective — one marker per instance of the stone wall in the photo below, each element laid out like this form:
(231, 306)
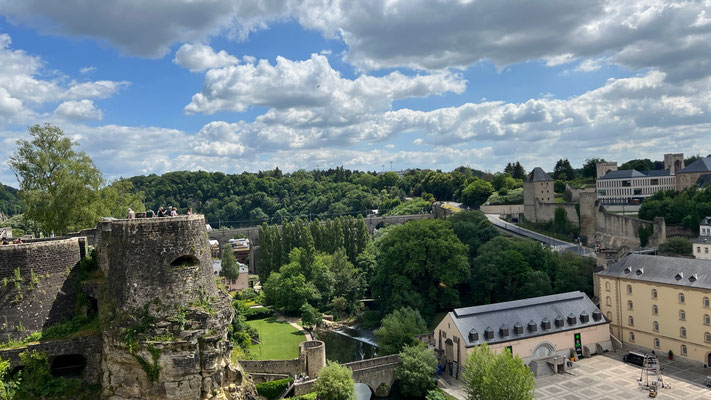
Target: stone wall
(546, 212)
(45, 293)
(290, 367)
(502, 209)
(679, 230)
(87, 346)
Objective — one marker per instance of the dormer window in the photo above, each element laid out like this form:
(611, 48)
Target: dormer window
(597, 315)
(504, 330)
(572, 319)
(559, 322)
(488, 333)
(640, 271)
(546, 323)
(628, 270)
(532, 326)
(693, 278)
(473, 335)
(584, 317)
(679, 276)
(518, 329)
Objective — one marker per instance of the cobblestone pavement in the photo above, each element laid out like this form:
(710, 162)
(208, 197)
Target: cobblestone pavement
(606, 377)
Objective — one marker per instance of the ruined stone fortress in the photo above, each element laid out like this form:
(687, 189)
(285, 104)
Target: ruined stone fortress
(163, 321)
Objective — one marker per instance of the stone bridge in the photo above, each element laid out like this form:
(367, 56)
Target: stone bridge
(252, 233)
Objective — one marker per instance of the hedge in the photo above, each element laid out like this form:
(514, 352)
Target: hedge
(257, 313)
(272, 389)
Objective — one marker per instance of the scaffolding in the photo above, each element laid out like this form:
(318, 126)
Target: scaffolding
(651, 377)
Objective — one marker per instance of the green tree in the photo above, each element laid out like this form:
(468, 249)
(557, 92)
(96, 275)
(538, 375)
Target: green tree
(8, 384)
(436, 394)
(416, 371)
(677, 245)
(477, 192)
(559, 187)
(58, 185)
(473, 229)
(420, 264)
(229, 268)
(398, 330)
(310, 316)
(491, 376)
(563, 170)
(335, 382)
(639, 164)
(590, 167)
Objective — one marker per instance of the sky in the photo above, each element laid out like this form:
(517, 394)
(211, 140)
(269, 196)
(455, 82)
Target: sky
(233, 86)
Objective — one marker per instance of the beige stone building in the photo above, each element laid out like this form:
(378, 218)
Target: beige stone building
(542, 331)
(687, 177)
(660, 303)
(631, 186)
(702, 244)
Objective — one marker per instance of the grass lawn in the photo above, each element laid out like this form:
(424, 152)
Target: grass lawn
(279, 340)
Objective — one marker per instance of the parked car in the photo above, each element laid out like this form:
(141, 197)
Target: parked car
(634, 358)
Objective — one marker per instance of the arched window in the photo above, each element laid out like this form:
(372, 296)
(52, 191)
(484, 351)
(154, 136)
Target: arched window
(682, 315)
(543, 350)
(630, 305)
(631, 320)
(608, 301)
(631, 336)
(654, 293)
(682, 299)
(629, 289)
(707, 319)
(706, 302)
(682, 332)
(656, 343)
(655, 326)
(683, 349)
(607, 286)
(655, 309)
(707, 337)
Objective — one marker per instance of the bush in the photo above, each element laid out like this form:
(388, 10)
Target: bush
(559, 187)
(272, 389)
(257, 313)
(677, 245)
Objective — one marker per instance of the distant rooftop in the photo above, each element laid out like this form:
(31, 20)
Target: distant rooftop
(687, 272)
(701, 165)
(633, 173)
(704, 181)
(538, 175)
(515, 320)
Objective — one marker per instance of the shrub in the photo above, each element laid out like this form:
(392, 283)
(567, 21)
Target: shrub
(272, 389)
(257, 313)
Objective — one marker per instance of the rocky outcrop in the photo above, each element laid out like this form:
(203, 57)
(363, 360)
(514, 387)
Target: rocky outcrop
(164, 322)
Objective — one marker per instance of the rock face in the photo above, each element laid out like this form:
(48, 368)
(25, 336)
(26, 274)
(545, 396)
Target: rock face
(164, 322)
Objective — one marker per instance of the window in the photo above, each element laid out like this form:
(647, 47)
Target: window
(707, 319)
(654, 182)
(698, 249)
(637, 191)
(656, 343)
(608, 301)
(629, 289)
(654, 293)
(682, 315)
(706, 302)
(682, 299)
(630, 305)
(607, 286)
(655, 309)
(631, 321)
(683, 349)
(707, 337)
(706, 249)
(682, 332)
(631, 336)
(655, 326)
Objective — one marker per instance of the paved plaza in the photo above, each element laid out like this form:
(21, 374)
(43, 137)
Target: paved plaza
(606, 377)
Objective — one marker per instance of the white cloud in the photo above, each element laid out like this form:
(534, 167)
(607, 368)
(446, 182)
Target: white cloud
(87, 70)
(82, 109)
(590, 64)
(200, 57)
(418, 141)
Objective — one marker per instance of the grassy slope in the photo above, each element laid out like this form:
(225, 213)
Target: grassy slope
(279, 340)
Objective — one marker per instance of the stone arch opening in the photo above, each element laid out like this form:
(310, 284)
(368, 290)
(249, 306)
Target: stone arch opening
(16, 370)
(68, 365)
(185, 261)
(544, 349)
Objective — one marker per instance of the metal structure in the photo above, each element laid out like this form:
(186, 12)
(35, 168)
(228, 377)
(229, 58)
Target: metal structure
(651, 376)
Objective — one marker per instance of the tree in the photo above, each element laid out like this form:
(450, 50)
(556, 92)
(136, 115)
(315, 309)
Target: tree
(563, 170)
(677, 245)
(491, 376)
(58, 186)
(477, 192)
(8, 384)
(398, 330)
(515, 170)
(416, 371)
(229, 268)
(639, 164)
(335, 382)
(590, 167)
(420, 264)
(473, 229)
(310, 316)
(559, 187)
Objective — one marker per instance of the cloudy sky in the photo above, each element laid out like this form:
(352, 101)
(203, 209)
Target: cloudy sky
(230, 85)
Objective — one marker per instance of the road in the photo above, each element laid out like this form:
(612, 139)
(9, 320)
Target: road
(557, 245)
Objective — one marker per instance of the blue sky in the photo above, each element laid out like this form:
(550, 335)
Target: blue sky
(248, 85)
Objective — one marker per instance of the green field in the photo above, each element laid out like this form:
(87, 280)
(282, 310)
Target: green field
(279, 340)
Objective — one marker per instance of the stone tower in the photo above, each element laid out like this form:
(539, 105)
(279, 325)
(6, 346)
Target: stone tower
(537, 187)
(674, 162)
(164, 322)
(603, 168)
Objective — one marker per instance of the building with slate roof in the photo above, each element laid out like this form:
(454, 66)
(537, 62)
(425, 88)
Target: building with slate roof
(689, 176)
(660, 303)
(541, 330)
(632, 186)
(702, 244)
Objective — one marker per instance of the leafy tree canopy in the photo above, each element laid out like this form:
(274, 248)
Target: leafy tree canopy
(491, 376)
(335, 382)
(590, 167)
(417, 371)
(638, 164)
(563, 170)
(398, 330)
(229, 268)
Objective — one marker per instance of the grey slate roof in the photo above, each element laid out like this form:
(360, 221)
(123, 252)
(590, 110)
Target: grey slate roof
(520, 319)
(702, 240)
(706, 221)
(687, 272)
(538, 175)
(633, 173)
(704, 181)
(701, 165)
